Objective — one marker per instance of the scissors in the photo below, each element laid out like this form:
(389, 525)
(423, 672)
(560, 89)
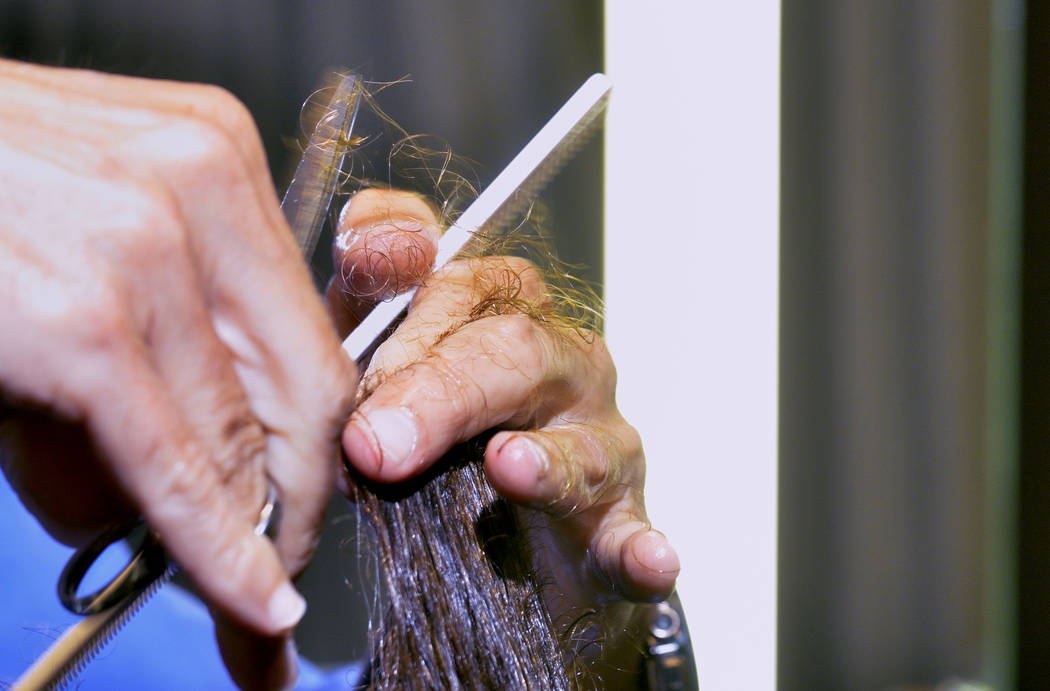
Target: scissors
(306, 204)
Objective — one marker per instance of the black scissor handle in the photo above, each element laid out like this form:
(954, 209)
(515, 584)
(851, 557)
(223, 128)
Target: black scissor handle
(147, 563)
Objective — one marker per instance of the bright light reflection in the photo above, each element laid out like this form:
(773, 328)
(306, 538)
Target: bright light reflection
(691, 282)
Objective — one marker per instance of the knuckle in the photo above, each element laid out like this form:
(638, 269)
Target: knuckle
(528, 275)
(214, 104)
(339, 385)
(533, 354)
(497, 285)
(517, 265)
(602, 470)
(198, 148)
(588, 469)
(587, 367)
(224, 106)
(152, 232)
(624, 460)
(232, 118)
(230, 558)
(461, 273)
(516, 342)
(630, 441)
(508, 285)
(603, 557)
(189, 495)
(135, 209)
(515, 328)
(183, 475)
(510, 273)
(99, 323)
(445, 381)
(601, 360)
(240, 451)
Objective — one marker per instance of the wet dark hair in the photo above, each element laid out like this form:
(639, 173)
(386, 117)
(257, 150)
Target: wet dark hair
(462, 605)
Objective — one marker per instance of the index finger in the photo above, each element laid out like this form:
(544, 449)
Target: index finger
(385, 243)
(262, 304)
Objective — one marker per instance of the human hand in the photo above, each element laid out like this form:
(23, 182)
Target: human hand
(161, 344)
(447, 375)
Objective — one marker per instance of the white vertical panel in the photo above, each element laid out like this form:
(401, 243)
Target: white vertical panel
(691, 281)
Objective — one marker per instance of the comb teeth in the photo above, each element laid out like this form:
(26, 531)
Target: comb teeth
(117, 621)
(498, 205)
(579, 135)
(94, 632)
(518, 183)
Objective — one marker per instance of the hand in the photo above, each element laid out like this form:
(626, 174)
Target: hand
(161, 343)
(444, 377)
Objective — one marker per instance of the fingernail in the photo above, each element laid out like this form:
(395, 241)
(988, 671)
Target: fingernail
(526, 455)
(286, 607)
(655, 553)
(395, 433)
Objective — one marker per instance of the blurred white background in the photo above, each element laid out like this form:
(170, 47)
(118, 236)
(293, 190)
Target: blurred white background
(691, 275)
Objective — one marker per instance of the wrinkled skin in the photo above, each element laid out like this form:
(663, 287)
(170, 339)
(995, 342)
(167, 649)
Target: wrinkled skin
(163, 353)
(566, 450)
(163, 350)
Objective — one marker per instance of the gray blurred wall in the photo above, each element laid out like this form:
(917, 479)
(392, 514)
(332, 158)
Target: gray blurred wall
(896, 440)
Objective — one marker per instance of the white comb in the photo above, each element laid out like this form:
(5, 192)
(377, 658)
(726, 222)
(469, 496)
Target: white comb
(502, 201)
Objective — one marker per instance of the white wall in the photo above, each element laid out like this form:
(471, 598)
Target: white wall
(691, 282)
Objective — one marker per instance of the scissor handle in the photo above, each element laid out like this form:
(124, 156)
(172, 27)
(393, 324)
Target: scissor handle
(147, 563)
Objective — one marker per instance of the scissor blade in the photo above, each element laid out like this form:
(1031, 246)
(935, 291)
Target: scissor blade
(502, 201)
(66, 658)
(306, 201)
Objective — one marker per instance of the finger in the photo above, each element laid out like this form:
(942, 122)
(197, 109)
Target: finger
(199, 373)
(291, 369)
(264, 310)
(135, 101)
(454, 295)
(345, 310)
(97, 100)
(566, 468)
(168, 474)
(499, 370)
(589, 478)
(386, 241)
(203, 144)
(208, 151)
(634, 559)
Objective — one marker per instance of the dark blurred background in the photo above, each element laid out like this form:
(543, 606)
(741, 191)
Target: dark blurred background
(914, 535)
(484, 76)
